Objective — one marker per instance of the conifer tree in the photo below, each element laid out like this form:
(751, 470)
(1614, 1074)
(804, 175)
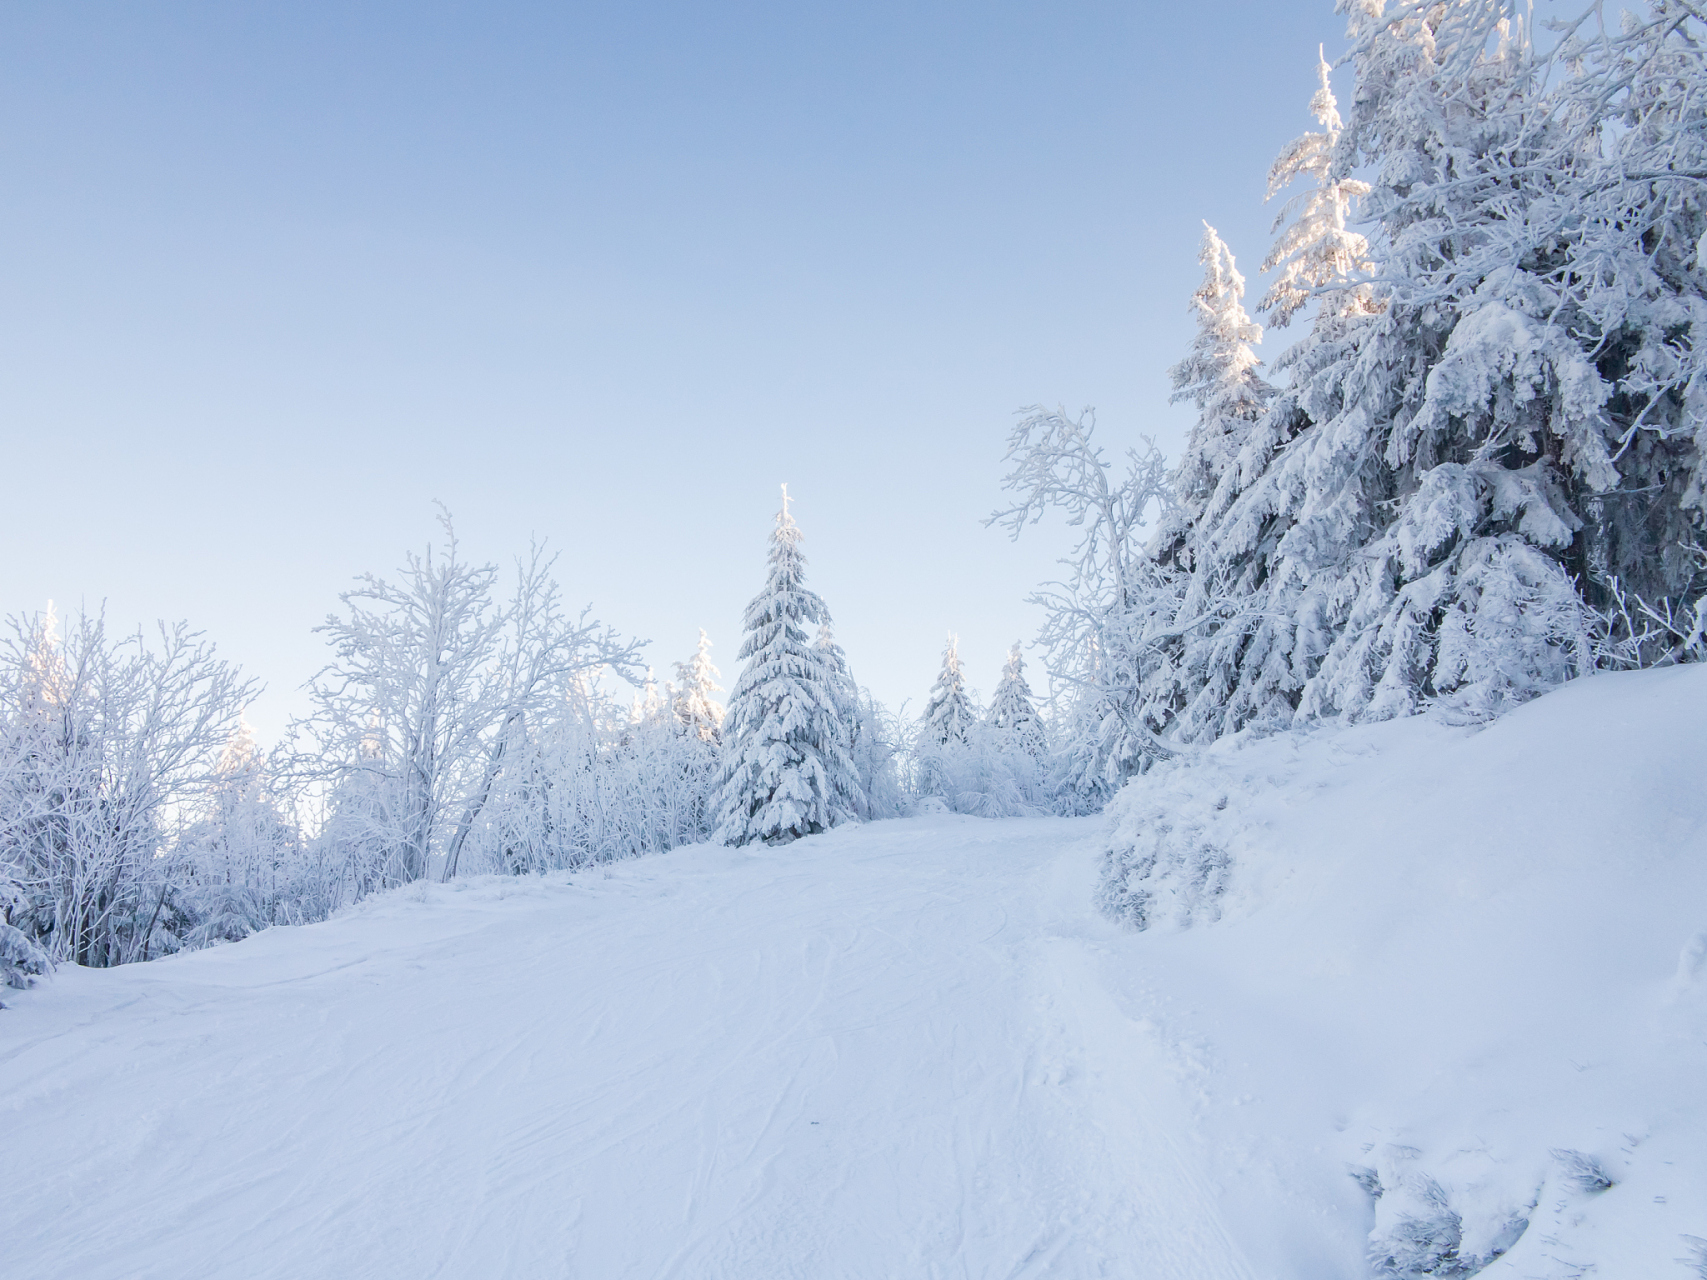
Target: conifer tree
(1404, 526)
(841, 681)
(1013, 712)
(1318, 252)
(1219, 376)
(696, 682)
(949, 714)
(787, 771)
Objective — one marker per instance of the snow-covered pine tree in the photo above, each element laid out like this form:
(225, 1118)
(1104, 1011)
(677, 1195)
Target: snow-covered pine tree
(1219, 376)
(1013, 712)
(841, 681)
(1405, 524)
(696, 683)
(1235, 662)
(949, 714)
(1628, 234)
(1318, 257)
(787, 770)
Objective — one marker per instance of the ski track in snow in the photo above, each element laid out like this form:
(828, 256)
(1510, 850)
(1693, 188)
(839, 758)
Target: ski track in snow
(887, 1051)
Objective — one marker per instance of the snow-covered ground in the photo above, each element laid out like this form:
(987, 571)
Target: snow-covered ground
(1445, 961)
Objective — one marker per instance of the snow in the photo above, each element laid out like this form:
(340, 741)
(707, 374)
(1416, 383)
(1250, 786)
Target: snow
(1445, 959)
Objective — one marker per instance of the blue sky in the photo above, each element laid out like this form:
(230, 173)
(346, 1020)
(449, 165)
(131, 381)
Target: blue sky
(277, 277)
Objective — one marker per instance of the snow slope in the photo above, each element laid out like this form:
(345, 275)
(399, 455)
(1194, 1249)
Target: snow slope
(1463, 965)
(867, 1054)
(913, 1049)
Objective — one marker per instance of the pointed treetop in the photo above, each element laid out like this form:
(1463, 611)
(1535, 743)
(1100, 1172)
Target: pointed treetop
(1015, 668)
(1012, 713)
(949, 712)
(1324, 106)
(242, 751)
(1317, 252)
(697, 682)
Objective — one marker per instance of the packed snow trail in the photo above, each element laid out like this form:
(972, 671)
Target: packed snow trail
(883, 1052)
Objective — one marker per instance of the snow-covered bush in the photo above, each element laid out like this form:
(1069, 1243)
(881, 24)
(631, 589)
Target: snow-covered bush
(21, 960)
(600, 782)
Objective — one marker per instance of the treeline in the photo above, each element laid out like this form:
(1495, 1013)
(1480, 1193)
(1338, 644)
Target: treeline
(461, 727)
(452, 731)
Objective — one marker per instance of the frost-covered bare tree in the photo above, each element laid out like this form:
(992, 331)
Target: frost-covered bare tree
(432, 684)
(1113, 623)
(110, 746)
(246, 864)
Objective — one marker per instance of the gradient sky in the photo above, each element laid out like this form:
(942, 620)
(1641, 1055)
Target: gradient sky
(278, 276)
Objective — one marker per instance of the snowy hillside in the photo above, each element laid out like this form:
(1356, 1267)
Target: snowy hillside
(1467, 969)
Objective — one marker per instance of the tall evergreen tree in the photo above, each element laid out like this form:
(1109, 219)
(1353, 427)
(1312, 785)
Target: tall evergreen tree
(1013, 712)
(1219, 376)
(950, 715)
(696, 683)
(1318, 257)
(1406, 523)
(787, 770)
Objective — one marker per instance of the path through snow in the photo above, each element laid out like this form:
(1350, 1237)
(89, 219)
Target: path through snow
(881, 1052)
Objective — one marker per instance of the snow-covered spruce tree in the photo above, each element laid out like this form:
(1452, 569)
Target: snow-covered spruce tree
(1218, 376)
(787, 772)
(1183, 686)
(1013, 711)
(1407, 524)
(696, 686)
(1318, 251)
(1626, 253)
(949, 713)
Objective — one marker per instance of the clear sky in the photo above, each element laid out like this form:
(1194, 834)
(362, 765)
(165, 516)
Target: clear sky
(276, 277)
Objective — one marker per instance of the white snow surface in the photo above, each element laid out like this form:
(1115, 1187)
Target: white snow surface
(1451, 958)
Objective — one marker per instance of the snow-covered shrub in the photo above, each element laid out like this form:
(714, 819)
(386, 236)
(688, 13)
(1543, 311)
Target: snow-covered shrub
(976, 776)
(1169, 839)
(1697, 1258)
(21, 960)
(1582, 1171)
(1424, 1229)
